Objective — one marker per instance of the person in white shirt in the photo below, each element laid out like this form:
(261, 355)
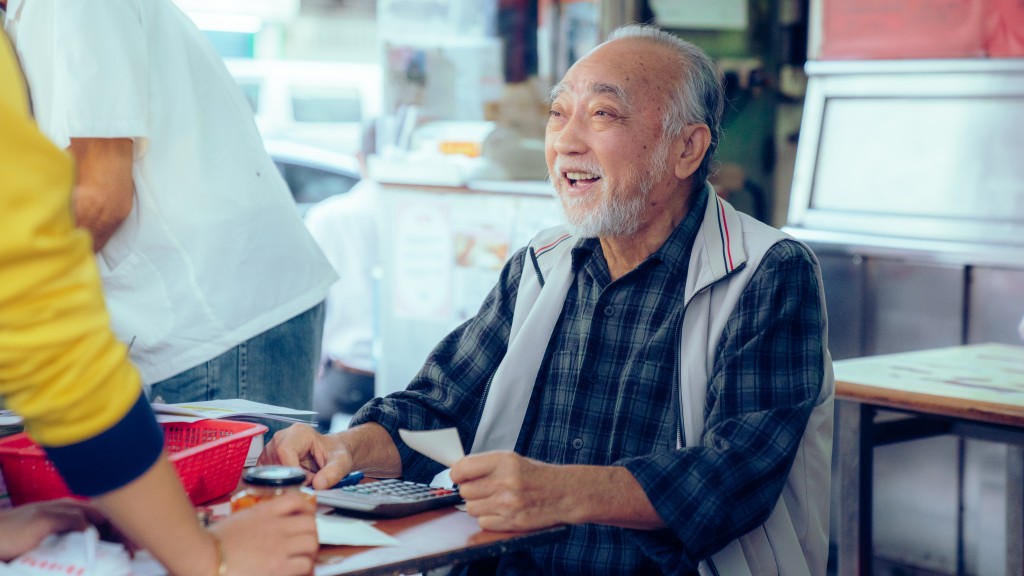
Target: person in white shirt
(345, 227)
(208, 272)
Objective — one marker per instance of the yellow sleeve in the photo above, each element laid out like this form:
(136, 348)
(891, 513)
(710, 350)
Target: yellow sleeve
(61, 368)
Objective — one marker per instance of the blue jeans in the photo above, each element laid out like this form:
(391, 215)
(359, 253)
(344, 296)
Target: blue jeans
(276, 367)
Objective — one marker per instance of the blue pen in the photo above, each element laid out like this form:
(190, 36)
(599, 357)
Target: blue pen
(350, 479)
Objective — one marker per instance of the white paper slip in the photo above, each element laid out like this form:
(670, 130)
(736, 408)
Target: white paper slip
(442, 446)
(342, 531)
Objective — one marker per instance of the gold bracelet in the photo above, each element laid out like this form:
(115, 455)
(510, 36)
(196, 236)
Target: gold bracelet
(222, 559)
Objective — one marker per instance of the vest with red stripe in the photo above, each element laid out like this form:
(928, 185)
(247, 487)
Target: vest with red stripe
(726, 253)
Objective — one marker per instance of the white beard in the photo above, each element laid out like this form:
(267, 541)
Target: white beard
(618, 211)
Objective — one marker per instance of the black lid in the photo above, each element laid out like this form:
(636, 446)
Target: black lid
(274, 476)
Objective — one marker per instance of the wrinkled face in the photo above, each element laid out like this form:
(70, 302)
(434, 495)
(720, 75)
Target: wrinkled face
(605, 150)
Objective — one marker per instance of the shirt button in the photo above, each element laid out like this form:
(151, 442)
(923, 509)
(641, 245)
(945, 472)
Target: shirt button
(609, 310)
(577, 443)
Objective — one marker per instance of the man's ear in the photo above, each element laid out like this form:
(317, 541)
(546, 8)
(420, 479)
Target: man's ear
(692, 144)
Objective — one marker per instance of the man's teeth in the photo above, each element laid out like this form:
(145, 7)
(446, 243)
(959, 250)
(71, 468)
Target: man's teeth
(581, 176)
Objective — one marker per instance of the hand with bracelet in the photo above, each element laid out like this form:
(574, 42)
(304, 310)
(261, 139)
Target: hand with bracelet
(274, 537)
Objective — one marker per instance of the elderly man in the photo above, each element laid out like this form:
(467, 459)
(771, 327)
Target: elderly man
(655, 375)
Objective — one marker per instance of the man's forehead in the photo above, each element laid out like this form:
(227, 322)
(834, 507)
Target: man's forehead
(624, 69)
(579, 89)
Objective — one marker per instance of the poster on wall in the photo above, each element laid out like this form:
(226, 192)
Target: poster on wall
(422, 261)
(480, 237)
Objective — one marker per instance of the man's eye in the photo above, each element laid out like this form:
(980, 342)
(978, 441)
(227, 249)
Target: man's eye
(554, 113)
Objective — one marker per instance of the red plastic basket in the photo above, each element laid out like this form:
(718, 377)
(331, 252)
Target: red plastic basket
(208, 455)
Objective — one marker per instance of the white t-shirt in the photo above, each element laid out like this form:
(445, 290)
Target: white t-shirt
(345, 226)
(214, 251)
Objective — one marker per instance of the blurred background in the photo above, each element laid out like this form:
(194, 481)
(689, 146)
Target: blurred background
(886, 134)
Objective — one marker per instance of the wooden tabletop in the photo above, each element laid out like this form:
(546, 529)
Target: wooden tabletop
(429, 540)
(981, 382)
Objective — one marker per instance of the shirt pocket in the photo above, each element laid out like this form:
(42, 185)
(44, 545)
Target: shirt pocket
(140, 311)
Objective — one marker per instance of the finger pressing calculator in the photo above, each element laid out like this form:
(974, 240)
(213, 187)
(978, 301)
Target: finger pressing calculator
(391, 497)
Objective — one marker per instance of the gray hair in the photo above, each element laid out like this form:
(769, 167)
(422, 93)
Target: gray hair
(699, 97)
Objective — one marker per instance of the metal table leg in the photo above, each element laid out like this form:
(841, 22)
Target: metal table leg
(856, 468)
(1015, 510)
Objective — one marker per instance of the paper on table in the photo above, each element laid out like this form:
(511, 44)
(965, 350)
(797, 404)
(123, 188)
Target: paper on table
(342, 531)
(9, 419)
(442, 446)
(233, 408)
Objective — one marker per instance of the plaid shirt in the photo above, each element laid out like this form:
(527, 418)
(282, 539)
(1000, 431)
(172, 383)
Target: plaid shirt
(607, 394)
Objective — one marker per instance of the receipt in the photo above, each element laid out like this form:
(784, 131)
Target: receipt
(442, 446)
(339, 530)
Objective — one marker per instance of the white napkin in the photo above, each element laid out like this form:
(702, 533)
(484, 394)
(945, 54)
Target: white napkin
(72, 553)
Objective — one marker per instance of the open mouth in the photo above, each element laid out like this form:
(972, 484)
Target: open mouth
(580, 178)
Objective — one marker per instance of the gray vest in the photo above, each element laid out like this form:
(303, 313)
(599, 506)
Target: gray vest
(794, 539)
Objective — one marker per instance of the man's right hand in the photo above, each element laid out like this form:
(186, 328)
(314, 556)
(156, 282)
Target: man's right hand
(301, 445)
(329, 458)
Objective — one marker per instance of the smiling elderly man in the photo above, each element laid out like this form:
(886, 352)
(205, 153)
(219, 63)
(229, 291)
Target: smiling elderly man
(654, 374)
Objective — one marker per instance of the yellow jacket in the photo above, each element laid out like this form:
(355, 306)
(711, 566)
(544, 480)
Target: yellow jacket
(61, 368)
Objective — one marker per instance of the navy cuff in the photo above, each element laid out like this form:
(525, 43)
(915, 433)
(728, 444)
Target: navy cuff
(113, 458)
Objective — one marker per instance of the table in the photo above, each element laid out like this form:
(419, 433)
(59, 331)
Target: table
(429, 540)
(974, 390)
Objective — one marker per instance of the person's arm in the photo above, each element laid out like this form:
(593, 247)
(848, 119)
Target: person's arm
(507, 492)
(104, 191)
(272, 538)
(63, 371)
(445, 392)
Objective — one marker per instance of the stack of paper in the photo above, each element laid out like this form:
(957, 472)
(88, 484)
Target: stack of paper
(9, 418)
(235, 409)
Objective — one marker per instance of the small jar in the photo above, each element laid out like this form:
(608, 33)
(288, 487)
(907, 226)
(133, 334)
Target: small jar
(266, 482)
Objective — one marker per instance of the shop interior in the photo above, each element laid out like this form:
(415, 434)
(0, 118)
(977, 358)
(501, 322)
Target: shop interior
(885, 135)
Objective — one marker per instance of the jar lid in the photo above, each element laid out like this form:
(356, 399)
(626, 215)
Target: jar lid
(274, 476)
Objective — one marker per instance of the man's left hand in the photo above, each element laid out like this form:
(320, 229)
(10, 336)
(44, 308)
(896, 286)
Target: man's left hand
(511, 493)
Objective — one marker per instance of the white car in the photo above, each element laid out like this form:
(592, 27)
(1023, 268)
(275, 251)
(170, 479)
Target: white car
(318, 103)
(312, 173)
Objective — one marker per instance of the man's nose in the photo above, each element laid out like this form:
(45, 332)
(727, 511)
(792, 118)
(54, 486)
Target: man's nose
(571, 138)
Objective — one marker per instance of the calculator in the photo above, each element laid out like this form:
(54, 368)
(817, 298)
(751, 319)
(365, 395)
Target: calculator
(391, 497)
